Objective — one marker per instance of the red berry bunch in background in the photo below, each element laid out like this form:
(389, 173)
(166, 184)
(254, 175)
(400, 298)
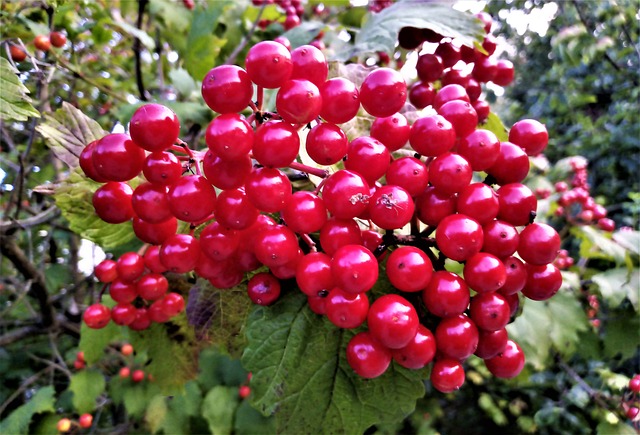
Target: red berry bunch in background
(293, 12)
(460, 71)
(407, 198)
(574, 199)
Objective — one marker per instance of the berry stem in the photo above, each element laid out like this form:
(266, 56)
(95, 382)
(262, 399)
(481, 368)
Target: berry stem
(309, 241)
(260, 97)
(322, 173)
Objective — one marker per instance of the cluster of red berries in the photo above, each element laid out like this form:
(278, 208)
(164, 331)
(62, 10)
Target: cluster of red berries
(330, 239)
(142, 293)
(293, 11)
(575, 202)
(631, 405)
(66, 424)
(41, 42)
(447, 62)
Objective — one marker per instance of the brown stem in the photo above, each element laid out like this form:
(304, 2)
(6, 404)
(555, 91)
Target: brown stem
(322, 173)
(38, 290)
(234, 54)
(137, 49)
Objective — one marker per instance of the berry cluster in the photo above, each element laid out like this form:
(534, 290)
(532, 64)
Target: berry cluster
(459, 69)
(575, 202)
(631, 403)
(43, 43)
(293, 12)
(66, 424)
(378, 5)
(142, 293)
(334, 239)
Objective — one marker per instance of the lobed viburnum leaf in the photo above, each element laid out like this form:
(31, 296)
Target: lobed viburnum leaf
(73, 197)
(18, 421)
(617, 284)
(86, 386)
(301, 375)
(15, 104)
(380, 32)
(67, 131)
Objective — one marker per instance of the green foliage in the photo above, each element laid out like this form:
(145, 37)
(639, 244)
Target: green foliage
(67, 131)
(73, 197)
(86, 386)
(18, 421)
(296, 356)
(14, 102)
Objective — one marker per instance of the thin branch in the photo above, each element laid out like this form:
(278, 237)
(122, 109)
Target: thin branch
(63, 63)
(137, 48)
(597, 396)
(23, 387)
(10, 249)
(232, 57)
(41, 218)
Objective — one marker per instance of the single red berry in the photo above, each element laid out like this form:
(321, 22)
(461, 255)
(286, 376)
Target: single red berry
(538, 244)
(516, 276)
(518, 204)
(192, 198)
(142, 321)
(326, 144)
(126, 349)
(409, 173)
(446, 295)
(339, 232)
(309, 64)
(383, 92)
(17, 53)
(459, 237)
(137, 376)
(366, 356)
(152, 286)
(511, 165)
(162, 168)
(634, 384)
(391, 207)
(345, 309)
(269, 64)
(345, 194)
(529, 134)
(227, 89)
(106, 271)
(419, 352)
(305, 212)
(218, 242)
(313, 274)
(393, 321)
(130, 266)
(504, 73)
(368, 157)
(429, 67)
(96, 316)
(85, 421)
(116, 157)
(484, 272)
(449, 173)
(276, 246)
(123, 292)
(112, 202)
(154, 127)
(461, 115)
(244, 391)
(229, 136)
(268, 189)
(508, 363)
(447, 375)
(155, 234)
(500, 238)
(542, 282)
(340, 100)
(432, 206)
(354, 268)
(481, 148)
(432, 136)
(263, 289)
(478, 201)
(124, 372)
(421, 94)
(123, 314)
(226, 174)
(180, 253)
(276, 144)
(42, 43)
(409, 269)
(489, 311)
(450, 93)
(457, 337)
(448, 52)
(491, 343)
(298, 101)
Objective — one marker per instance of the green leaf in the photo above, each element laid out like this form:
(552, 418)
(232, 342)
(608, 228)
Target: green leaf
(617, 284)
(598, 244)
(380, 32)
(606, 428)
(15, 105)
(169, 353)
(93, 342)
(67, 131)
(304, 33)
(86, 386)
(73, 197)
(218, 408)
(629, 240)
(18, 421)
(300, 374)
(222, 313)
(621, 333)
(182, 81)
(202, 45)
(248, 421)
(554, 324)
(156, 413)
(174, 14)
(137, 397)
(143, 36)
(217, 368)
(494, 124)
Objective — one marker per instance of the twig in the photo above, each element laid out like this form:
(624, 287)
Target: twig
(595, 395)
(61, 62)
(137, 47)
(10, 249)
(232, 57)
(41, 218)
(23, 387)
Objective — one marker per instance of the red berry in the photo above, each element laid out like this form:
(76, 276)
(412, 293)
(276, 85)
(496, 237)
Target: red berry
(459, 237)
(123, 292)
(450, 93)
(504, 73)
(491, 343)
(531, 135)
(154, 233)
(516, 276)
(142, 321)
(449, 173)
(383, 92)
(461, 115)
(432, 206)
(244, 391)
(511, 166)
(180, 253)
(313, 274)
(276, 144)
(368, 157)
(263, 289)
(85, 421)
(409, 269)
(226, 174)
(117, 158)
(447, 375)
(154, 127)
(137, 376)
(126, 349)
(478, 201)
(393, 131)
(150, 203)
(268, 189)
(446, 295)
(269, 64)
(162, 168)
(96, 316)
(63, 425)
(500, 238)
(345, 194)
(429, 67)
(484, 272)
(393, 321)
(409, 173)
(227, 89)
(340, 100)
(432, 135)
(366, 356)
(391, 207)
(42, 43)
(106, 271)
(309, 64)
(457, 337)
(421, 94)
(112, 202)
(152, 286)
(539, 244)
(339, 232)
(17, 53)
(86, 161)
(123, 314)
(634, 384)
(191, 198)
(542, 282)
(130, 266)
(419, 352)
(305, 212)
(481, 148)
(489, 311)
(354, 268)
(517, 204)
(326, 144)
(276, 246)
(229, 136)
(298, 101)
(345, 309)
(508, 363)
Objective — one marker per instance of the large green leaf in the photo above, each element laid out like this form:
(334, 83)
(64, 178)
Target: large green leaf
(554, 324)
(598, 245)
(617, 284)
(621, 333)
(380, 32)
(86, 386)
(93, 342)
(18, 421)
(168, 349)
(15, 105)
(67, 131)
(300, 374)
(203, 46)
(73, 197)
